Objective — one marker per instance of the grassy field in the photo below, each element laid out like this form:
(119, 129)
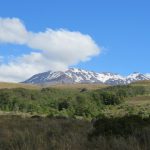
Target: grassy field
(7, 85)
(138, 100)
(144, 83)
(79, 86)
(58, 86)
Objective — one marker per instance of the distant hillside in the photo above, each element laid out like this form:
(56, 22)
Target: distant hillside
(8, 85)
(144, 82)
(77, 86)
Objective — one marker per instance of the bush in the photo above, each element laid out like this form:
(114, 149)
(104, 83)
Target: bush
(124, 126)
(84, 103)
(116, 94)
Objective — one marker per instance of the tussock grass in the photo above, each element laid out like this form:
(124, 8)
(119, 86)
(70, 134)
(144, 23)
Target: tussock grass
(38, 133)
(7, 85)
(79, 86)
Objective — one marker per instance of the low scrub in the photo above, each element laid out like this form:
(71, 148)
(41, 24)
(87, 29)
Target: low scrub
(55, 133)
(65, 102)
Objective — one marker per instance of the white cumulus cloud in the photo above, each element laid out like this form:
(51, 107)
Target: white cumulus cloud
(57, 49)
(12, 31)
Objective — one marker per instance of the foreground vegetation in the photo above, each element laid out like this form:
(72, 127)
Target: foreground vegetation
(75, 118)
(55, 133)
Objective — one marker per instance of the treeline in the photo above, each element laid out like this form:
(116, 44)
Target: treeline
(65, 102)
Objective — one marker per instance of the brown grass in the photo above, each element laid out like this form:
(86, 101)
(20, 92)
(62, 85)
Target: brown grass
(142, 83)
(79, 86)
(138, 100)
(6, 85)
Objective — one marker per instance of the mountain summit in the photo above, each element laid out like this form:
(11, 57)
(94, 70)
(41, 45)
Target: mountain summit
(74, 75)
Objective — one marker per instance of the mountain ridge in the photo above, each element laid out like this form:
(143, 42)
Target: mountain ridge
(75, 75)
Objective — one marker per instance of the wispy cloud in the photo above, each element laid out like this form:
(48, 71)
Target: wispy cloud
(58, 49)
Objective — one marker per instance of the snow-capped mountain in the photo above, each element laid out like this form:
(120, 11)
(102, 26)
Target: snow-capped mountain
(136, 77)
(147, 75)
(74, 75)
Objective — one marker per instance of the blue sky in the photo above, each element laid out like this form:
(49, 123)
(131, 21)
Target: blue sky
(120, 27)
